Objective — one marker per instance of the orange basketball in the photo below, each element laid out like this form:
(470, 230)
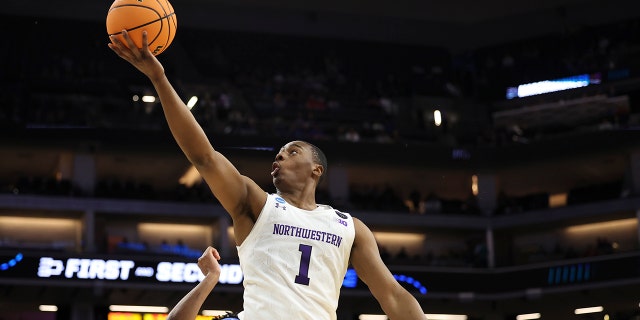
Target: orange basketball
(155, 16)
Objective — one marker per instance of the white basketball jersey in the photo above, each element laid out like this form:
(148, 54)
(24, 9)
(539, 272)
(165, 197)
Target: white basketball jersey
(294, 262)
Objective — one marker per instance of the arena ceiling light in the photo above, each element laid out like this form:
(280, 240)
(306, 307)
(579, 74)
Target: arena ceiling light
(48, 308)
(589, 310)
(192, 102)
(149, 309)
(148, 99)
(528, 316)
(437, 118)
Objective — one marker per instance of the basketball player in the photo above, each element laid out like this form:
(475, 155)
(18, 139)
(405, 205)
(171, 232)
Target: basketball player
(294, 252)
(187, 308)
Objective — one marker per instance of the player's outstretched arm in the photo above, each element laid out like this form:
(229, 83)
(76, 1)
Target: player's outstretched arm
(396, 301)
(238, 195)
(189, 306)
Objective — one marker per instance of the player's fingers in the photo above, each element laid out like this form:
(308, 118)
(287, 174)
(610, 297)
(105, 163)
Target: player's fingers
(205, 253)
(215, 253)
(145, 42)
(123, 52)
(118, 43)
(128, 39)
(115, 42)
(130, 44)
(112, 47)
(117, 48)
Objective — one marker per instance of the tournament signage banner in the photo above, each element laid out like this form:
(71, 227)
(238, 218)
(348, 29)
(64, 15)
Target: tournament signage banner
(138, 269)
(151, 270)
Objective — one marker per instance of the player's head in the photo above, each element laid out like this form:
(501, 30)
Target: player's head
(296, 162)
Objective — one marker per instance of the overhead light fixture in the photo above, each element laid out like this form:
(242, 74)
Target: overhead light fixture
(437, 118)
(589, 310)
(192, 102)
(528, 316)
(150, 309)
(148, 99)
(47, 308)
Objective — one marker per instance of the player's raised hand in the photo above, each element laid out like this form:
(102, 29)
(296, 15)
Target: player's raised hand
(141, 58)
(208, 262)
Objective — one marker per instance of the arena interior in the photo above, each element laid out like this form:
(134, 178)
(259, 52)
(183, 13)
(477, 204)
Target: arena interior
(492, 147)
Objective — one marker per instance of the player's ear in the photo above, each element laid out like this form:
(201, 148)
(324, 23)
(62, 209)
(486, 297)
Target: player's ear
(318, 170)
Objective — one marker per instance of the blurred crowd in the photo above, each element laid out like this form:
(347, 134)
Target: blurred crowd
(312, 88)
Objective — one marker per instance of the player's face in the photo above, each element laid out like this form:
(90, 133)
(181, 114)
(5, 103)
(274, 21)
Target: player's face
(293, 165)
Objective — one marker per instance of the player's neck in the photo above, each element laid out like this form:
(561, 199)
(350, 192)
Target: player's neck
(302, 200)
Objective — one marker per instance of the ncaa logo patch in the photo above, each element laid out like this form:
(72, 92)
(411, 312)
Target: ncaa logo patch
(280, 200)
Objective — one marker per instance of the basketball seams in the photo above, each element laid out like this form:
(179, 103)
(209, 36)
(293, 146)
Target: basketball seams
(162, 24)
(166, 9)
(163, 7)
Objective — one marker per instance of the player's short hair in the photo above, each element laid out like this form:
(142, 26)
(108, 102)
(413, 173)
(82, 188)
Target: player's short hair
(319, 157)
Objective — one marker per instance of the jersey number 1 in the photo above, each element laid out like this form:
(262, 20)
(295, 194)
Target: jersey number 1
(305, 257)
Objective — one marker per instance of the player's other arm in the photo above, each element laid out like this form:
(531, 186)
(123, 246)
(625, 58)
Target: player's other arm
(240, 196)
(396, 301)
(189, 306)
